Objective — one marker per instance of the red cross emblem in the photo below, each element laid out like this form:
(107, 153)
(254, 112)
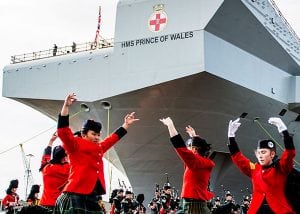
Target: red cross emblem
(158, 21)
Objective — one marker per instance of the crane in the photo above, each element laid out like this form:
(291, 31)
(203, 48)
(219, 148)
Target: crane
(28, 175)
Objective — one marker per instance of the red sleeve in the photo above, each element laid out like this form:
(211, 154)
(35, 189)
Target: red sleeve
(243, 163)
(6, 200)
(194, 161)
(68, 139)
(108, 142)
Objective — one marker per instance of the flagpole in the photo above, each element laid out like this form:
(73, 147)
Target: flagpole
(96, 40)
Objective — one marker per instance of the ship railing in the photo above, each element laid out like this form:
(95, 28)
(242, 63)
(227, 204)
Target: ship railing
(60, 51)
(285, 21)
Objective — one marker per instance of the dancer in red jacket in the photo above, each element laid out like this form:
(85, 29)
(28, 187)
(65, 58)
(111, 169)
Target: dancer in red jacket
(197, 169)
(268, 175)
(55, 173)
(86, 179)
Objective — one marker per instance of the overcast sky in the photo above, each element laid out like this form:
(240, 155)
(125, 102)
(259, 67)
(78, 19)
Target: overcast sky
(34, 25)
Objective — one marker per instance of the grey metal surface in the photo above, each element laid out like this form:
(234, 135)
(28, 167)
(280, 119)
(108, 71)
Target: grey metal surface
(203, 101)
(246, 32)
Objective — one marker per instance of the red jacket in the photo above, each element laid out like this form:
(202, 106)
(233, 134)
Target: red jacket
(268, 183)
(13, 197)
(85, 158)
(197, 170)
(54, 178)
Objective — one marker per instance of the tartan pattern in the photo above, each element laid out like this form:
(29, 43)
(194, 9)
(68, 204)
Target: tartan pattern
(48, 207)
(70, 203)
(189, 206)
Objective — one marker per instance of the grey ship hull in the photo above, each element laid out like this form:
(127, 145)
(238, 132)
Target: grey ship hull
(146, 153)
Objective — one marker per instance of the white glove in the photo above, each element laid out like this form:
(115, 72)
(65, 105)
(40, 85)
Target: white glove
(276, 121)
(167, 121)
(233, 127)
(190, 130)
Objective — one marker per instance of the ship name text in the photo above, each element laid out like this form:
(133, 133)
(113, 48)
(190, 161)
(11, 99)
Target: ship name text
(157, 39)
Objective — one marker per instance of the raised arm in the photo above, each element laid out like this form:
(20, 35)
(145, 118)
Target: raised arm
(129, 119)
(108, 142)
(69, 100)
(63, 130)
(288, 140)
(52, 139)
(232, 128)
(288, 155)
(169, 123)
(47, 151)
(243, 163)
(190, 130)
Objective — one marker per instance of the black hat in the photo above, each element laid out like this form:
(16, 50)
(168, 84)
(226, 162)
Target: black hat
(91, 125)
(120, 190)
(266, 144)
(58, 153)
(35, 189)
(167, 186)
(113, 194)
(228, 193)
(217, 199)
(246, 198)
(197, 142)
(140, 198)
(128, 192)
(13, 184)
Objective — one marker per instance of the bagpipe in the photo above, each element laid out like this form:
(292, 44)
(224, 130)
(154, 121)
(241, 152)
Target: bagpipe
(24, 208)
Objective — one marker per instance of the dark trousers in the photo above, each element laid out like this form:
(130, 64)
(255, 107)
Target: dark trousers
(265, 209)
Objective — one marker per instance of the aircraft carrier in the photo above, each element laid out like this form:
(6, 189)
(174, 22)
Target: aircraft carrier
(200, 62)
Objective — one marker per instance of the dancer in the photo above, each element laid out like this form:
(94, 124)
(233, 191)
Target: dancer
(55, 173)
(197, 169)
(269, 175)
(86, 180)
